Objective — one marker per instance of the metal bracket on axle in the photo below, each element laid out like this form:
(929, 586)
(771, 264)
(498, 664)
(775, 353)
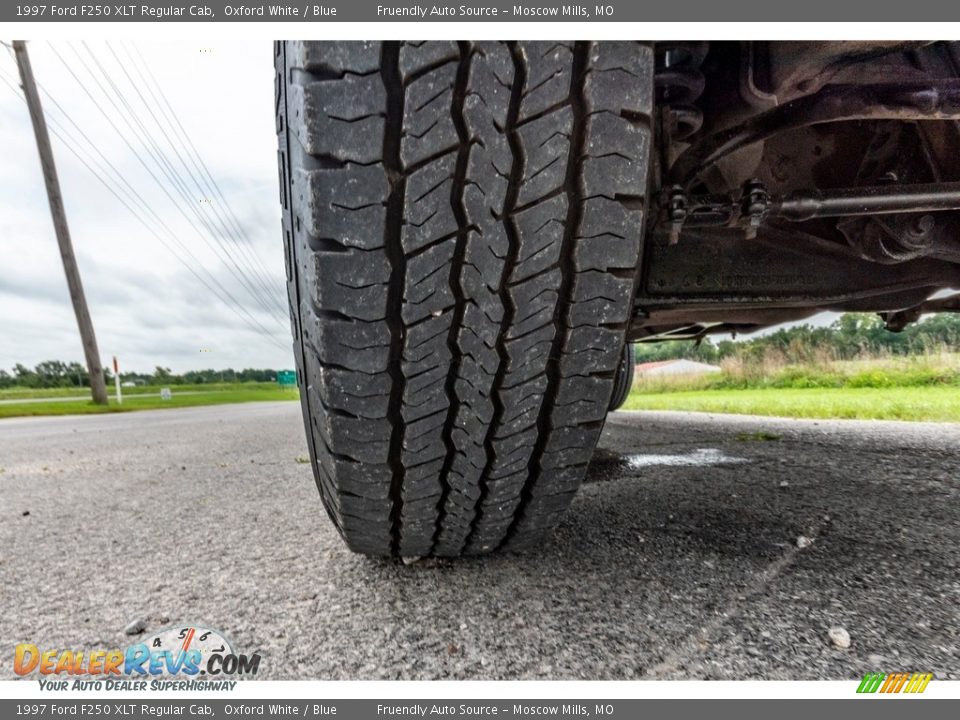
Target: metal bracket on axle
(754, 205)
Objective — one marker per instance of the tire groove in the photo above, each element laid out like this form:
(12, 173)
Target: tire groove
(393, 133)
(456, 269)
(572, 223)
(510, 201)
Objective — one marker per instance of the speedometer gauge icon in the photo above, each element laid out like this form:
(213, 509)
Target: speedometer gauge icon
(186, 638)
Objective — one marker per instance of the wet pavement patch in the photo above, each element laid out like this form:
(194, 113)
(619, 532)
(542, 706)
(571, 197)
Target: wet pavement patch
(696, 458)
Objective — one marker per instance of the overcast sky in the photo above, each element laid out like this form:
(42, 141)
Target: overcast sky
(147, 307)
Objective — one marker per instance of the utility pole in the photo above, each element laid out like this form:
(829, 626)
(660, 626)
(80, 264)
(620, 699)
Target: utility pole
(94, 368)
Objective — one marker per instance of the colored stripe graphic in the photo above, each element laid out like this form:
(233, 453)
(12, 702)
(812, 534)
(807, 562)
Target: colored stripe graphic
(870, 683)
(894, 683)
(918, 683)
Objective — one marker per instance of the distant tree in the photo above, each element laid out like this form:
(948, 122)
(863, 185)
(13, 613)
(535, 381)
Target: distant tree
(25, 377)
(55, 373)
(934, 333)
(850, 336)
(77, 374)
(704, 351)
(51, 373)
(725, 349)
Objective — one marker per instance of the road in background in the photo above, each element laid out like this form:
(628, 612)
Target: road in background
(700, 547)
(126, 396)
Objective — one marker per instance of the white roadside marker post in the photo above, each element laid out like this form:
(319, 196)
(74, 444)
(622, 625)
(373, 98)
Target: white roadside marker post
(116, 380)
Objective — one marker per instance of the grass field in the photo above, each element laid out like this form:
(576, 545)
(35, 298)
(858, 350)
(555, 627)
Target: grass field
(142, 398)
(918, 387)
(936, 404)
(17, 393)
(912, 388)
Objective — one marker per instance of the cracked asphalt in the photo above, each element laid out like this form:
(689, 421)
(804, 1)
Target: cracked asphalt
(681, 557)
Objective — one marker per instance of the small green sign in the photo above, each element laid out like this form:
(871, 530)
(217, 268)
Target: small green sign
(286, 378)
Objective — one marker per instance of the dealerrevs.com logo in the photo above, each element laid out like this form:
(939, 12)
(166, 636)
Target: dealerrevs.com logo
(178, 658)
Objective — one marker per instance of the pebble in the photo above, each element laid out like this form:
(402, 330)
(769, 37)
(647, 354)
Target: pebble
(804, 542)
(135, 628)
(784, 483)
(411, 559)
(839, 637)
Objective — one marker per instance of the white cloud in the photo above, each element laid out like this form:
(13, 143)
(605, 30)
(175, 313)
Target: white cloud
(147, 307)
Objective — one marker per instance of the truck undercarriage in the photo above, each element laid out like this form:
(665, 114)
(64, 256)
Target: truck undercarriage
(476, 232)
(796, 177)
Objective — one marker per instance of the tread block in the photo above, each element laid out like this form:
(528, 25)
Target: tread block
(546, 146)
(360, 346)
(334, 58)
(415, 56)
(549, 65)
(346, 205)
(620, 77)
(333, 115)
(428, 214)
(427, 123)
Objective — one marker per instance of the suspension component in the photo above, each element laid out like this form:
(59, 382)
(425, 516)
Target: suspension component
(679, 83)
(753, 205)
(860, 201)
(902, 211)
(897, 320)
(932, 100)
(676, 212)
(891, 239)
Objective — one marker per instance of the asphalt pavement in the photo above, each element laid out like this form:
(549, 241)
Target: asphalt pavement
(701, 546)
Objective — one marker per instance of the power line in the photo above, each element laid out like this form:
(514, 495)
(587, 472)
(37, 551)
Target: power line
(264, 291)
(167, 168)
(59, 132)
(236, 307)
(144, 66)
(135, 197)
(140, 159)
(120, 179)
(173, 119)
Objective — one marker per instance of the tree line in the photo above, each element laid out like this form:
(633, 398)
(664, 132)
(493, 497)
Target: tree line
(59, 374)
(850, 336)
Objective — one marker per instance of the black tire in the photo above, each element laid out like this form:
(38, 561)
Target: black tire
(623, 382)
(462, 226)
